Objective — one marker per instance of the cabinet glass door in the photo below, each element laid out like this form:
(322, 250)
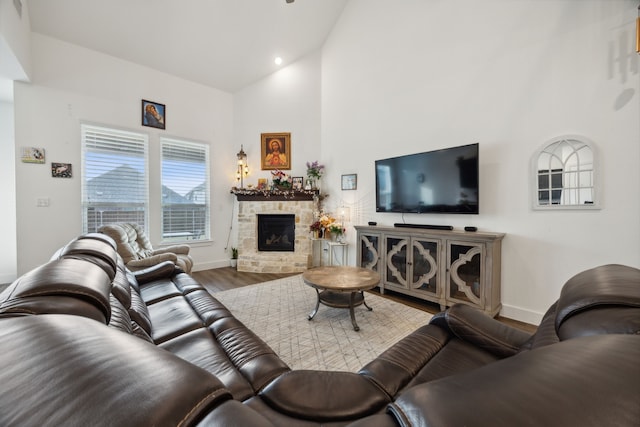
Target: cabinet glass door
(424, 267)
(369, 251)
(465, 272)
(396, 272)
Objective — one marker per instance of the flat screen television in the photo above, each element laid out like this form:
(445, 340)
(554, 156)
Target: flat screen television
(441, 181)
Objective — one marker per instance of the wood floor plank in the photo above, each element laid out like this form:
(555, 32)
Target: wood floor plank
(225, 278)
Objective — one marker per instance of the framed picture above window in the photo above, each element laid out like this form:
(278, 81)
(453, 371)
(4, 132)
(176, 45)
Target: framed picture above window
(153, 114)
(350, 181)
(275, 151)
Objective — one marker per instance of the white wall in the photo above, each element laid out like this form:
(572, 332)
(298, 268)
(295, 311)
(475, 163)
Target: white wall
(15, 37)
(7, 194)
(15, 63)
(286, 101)
(411, 76)
(72, 84)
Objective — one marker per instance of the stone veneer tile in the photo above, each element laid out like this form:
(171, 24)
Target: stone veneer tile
(252, 260)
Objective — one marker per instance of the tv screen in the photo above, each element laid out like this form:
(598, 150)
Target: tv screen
(441, 181)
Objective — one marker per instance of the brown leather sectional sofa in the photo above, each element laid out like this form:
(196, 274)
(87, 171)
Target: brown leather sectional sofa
(87, 342)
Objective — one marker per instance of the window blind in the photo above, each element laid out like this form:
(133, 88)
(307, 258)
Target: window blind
(114, 177)
(185, 190)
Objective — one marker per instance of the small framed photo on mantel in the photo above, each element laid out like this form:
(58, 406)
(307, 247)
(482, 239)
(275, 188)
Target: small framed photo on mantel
(297, 183)
(153, 114)
(350, 181)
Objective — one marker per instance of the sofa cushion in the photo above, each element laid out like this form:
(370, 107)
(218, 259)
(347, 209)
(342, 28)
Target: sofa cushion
(456, 357)
(172, 317)
(201, 348)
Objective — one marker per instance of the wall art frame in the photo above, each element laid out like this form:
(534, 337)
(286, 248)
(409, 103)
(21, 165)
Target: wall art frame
(61, 170)
(350, 181)
(154, 114)
(275, 150)
(32, 155)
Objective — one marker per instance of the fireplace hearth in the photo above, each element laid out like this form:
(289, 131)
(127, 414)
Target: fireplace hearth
(276, 232)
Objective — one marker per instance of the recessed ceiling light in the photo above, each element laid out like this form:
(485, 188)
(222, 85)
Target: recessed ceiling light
(278, 60)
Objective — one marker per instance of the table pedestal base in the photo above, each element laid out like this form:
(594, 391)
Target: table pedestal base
(340, 300)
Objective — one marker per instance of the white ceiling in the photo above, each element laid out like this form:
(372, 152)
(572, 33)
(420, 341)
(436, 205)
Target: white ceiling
(225, 44)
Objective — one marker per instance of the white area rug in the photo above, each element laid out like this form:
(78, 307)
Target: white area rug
(277, 312)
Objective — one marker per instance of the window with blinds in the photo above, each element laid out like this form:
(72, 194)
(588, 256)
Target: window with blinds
(114, 177)
(185, 190)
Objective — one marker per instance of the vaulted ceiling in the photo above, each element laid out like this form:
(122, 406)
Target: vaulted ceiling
(225, 44)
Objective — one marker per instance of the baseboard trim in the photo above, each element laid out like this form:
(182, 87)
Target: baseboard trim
(209, 265)
(521, 314)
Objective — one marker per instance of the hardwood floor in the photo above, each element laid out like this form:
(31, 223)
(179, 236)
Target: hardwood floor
(225, 278)
(222, 279)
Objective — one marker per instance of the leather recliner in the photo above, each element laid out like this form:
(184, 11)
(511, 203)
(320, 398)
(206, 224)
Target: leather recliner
(136, 251)
(87, 342)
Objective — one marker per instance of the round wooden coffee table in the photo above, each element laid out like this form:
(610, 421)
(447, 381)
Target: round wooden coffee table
(341, 286)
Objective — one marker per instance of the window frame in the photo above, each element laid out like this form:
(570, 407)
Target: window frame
(191, 236)
(121, 136)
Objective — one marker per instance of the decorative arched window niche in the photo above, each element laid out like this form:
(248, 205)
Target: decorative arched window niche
(565, 174)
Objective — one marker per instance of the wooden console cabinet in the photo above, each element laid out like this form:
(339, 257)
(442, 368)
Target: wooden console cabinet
(445, 267)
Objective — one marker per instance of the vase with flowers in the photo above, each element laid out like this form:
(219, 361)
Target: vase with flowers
(316, 229)
(325, 221)
(314, 173)
(281, 180)
(337, 231)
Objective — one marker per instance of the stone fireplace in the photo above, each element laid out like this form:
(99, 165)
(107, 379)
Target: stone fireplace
(253, 205)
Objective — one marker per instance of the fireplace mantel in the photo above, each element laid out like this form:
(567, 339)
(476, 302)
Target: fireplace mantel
(252, 195)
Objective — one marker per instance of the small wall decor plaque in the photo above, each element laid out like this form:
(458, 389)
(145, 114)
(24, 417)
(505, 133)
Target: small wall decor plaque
(61, 170)
(32, 155)
(350, 182)
(153, 114)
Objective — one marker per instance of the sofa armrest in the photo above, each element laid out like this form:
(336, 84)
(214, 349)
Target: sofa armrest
(158, 271)
(473, 326)
(152, 260)
(174, 249)
(324, 395)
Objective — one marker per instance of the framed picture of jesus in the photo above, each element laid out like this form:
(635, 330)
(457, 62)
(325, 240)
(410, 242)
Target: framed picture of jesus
(275, 151)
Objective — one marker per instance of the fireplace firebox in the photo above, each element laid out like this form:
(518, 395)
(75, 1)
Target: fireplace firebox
(276, 232)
